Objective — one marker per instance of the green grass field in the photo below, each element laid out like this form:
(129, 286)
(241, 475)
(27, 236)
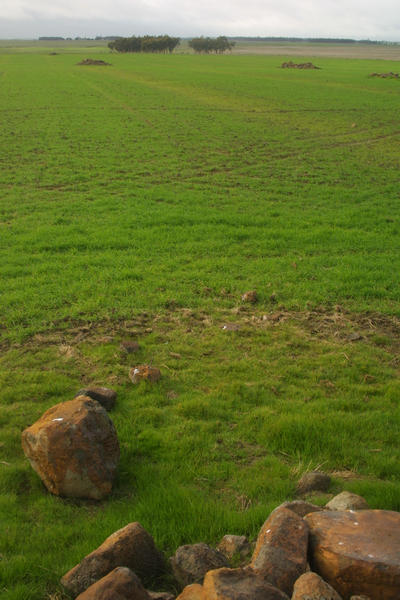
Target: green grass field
(139, 201)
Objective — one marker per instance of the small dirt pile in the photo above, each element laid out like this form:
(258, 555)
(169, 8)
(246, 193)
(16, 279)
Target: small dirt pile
(292, 65)
(91, 61)
(389, 75)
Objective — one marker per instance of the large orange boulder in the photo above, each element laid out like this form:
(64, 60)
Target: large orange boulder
(357, 552)
(74, 449)
(280, 555)
(194, 591)
(120, 584)
(239, 584)
(132, 547)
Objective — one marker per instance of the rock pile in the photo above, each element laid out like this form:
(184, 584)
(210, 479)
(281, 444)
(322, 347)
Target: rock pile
(292, 65)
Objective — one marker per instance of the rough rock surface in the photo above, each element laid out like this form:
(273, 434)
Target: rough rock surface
(74, 449)
(280, 555)
(193, 591)
(104, 395)
(357, 552)
(120, 584)
(234, 545)
(313, 481)
(130, 547)
(191, 562)
(311, 586)
(347, 501)
(251, 296)
(239, 584)
(300, 507)
(160, 595)
(144, 373)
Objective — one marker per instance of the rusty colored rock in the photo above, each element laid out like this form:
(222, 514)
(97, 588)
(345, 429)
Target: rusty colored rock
(234, 545)
(357, 552)
(191, 562)
(313, 481)
(239, 584)
(251, 296)
(130, 547)
(300, 507)
(74, 449)
(280, 555)
(120, 584)
(193, 591)
(144, 373)
(311, 586)
(129, 346)
(347, 501)
(104, 395)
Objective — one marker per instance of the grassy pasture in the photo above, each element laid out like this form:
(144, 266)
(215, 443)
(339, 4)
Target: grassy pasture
(139, 201)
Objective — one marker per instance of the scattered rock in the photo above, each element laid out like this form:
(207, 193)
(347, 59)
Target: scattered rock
(313, 481)
(280, 555)
(192, 592)
(160, 595)
(347, 501)
(91, 61)
(104, 395)
(239, 584)
(120, 584)
(129, 346)
(234, 545)
(251, 296)
(130, 547)
(144, 373)
(191, 562)
(74, 449)
(311, 586)
(231, 327)
(292, 65)
(300, 507)
(355, 337)
(389, 75)
(357, 552)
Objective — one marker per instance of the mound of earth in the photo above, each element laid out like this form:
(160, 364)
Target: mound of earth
(292, 65)
(389, 75)
(91, 61)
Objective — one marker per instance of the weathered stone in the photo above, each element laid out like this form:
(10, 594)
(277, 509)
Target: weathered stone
(300, 507)
(234, 545)
(362, 597)
(160, 595)
(120, 584)
(347, 501)
(130, 547)
(314, 481)
(280, 555)
(74, 449)
(129, 346)
(250, 296)
(239, 584)
(357, 552)
(194, 591)
(191, 562)
(311, 586)
(144, 373)
(104, 395)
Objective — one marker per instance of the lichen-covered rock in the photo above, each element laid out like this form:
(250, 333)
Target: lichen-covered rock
(311, 586)
(74, 449)
(313, 481)
(357, 552)
(234, 545)
(347, 501)
(280, 555)
(239, 584)
(104, 395)
(130, 547)
(191, 562)
(144, 373)
(119, 584)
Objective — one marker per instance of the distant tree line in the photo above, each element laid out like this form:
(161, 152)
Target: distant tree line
(298, 39)
(146, 43)
(205, 45)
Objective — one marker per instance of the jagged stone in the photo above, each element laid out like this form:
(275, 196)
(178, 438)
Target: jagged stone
(104, 395)
(234, 545)
(119, 584)
(191, 562)
(239, 584)
(311, 586)
(347, 501)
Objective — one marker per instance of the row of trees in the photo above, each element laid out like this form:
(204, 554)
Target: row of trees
(206, 45)
(146, 43)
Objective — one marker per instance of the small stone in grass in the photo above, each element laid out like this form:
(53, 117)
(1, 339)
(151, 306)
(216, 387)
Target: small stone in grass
(144, 373)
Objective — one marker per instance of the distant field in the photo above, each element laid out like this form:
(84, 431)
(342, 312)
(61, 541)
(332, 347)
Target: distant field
(139, 201)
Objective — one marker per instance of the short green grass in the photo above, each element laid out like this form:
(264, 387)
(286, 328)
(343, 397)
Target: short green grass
(139, 201)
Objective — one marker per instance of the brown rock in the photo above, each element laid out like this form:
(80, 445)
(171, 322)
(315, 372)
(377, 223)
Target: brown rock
(234, 545)
(120, 584)
(250, 296)
(300, 507)
(311, 586)
(191, 562)
(129, 347)
(280, 555)
(144, 373)
(357, 551)
(239, 584)
(74, 449)
(130, 547)
(347, 501)
(192, 592)
(104, 395)
(314, 481)
(362, 597)
(160, 595)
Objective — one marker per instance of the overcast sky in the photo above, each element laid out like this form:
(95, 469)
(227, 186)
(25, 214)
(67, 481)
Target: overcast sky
(373, 19)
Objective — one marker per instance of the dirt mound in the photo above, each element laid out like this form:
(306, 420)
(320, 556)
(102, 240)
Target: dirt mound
(389, 75)
(91, 61)
(292, 65)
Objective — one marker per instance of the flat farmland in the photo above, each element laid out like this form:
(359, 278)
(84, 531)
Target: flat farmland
(139, 201)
